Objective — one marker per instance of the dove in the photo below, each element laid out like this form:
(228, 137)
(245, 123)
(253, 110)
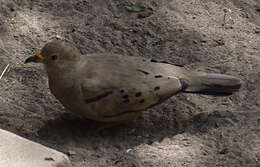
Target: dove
(117, 88)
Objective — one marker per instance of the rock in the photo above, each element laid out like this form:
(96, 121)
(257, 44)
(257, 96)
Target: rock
(20, 152)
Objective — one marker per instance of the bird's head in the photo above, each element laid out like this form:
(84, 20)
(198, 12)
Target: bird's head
(55, 53)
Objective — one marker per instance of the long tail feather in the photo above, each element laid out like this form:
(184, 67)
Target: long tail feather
(212, 84)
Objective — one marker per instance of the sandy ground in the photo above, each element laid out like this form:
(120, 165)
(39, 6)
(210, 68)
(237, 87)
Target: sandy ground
(187, 130)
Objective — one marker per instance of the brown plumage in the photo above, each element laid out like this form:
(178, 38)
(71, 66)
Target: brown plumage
(116, 88)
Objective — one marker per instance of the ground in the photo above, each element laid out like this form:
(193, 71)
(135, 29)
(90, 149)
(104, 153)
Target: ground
(187, 130)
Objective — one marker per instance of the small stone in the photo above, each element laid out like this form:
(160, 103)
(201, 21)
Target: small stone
(257, 30)
(71, 152)
(223, 151)
(128, 150)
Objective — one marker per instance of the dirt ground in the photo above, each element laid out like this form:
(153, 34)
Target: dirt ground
(187, 130)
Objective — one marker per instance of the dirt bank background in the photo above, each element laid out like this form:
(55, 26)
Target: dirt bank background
(187, 130)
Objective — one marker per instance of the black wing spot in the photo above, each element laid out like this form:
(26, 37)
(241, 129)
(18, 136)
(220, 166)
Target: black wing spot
(122, 91)
(158, 76)
(179, 65)
(154, 61)
(138, 94)
(125, 96)
(54, 57)
(184, 84)
(166, 62)
(99, 97)
(146, 73)
(126, 101)
(156, 88)
(141, 101)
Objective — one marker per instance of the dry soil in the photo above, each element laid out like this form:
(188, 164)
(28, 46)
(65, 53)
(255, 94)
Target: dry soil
(187, 130)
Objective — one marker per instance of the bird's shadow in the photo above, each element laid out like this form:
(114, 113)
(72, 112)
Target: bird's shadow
(69, 130)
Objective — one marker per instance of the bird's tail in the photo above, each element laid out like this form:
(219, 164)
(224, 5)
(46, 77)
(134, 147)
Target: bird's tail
(211, 84)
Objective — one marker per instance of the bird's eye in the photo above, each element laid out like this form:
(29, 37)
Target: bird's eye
(54, 57)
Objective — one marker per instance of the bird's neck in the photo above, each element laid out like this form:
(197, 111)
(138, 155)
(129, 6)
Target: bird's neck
(61, 80)
(61, 72)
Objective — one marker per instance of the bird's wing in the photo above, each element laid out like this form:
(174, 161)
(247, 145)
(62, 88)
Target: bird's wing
(127, 87)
